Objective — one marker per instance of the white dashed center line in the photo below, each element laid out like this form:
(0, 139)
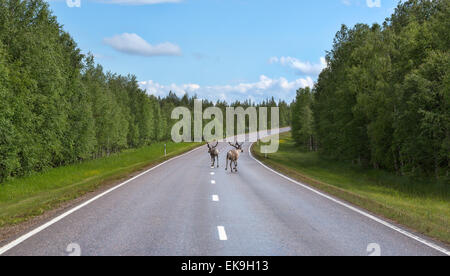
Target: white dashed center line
(212, 173)
(222, 233)
(215, 198)
(213, 182)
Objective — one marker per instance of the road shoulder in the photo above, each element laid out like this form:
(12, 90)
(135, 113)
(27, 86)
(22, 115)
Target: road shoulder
(9, 233)
(367, 207)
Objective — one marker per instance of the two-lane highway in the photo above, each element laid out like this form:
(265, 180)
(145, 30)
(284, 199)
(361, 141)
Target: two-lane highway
(185, 207)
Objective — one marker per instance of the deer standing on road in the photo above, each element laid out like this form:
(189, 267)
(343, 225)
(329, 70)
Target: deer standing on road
(233, 156)
(214, 152)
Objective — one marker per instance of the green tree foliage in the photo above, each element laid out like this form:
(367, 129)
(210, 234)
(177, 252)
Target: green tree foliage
(302, 119)
(383, 100)
(58, 106)
(8, 134)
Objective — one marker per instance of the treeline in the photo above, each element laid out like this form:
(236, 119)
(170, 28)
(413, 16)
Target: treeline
(384, 99)
(58, 107)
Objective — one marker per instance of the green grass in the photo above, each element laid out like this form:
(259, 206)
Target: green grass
(23, 198)
(422, 204)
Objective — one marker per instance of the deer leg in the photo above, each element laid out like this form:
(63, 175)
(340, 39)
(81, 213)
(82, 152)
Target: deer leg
(226, 164)
(217, 161)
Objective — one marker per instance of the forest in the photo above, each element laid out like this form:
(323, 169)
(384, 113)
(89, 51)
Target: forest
(58, 107)
(384, 99)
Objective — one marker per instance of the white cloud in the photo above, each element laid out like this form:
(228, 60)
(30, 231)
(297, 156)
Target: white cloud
(157, 89)
(139, 2)
(135, 45)
(369, 3)
(73, 3)
(373, 3)
(301, 67)
(77, 3)
(264, 88)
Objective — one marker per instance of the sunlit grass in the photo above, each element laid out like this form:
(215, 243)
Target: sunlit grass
(419, 203)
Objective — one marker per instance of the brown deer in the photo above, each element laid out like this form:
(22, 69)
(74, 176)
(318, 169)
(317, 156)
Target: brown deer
(214, 153)
(233, 156)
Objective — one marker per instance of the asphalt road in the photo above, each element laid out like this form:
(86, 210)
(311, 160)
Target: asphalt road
(184, 207)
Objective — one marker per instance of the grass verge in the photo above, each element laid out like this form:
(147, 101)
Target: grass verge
(421, 204)
(27, 197)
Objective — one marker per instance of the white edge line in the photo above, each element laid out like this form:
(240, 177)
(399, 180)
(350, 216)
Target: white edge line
(23, 238)
(222, 233)
(215, 198)
(385, 223)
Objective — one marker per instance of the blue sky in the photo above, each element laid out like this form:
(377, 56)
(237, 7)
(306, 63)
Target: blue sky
(217, 49)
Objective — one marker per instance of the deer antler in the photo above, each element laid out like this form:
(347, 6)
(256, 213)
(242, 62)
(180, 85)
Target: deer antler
(234, 146)
(217, 143)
